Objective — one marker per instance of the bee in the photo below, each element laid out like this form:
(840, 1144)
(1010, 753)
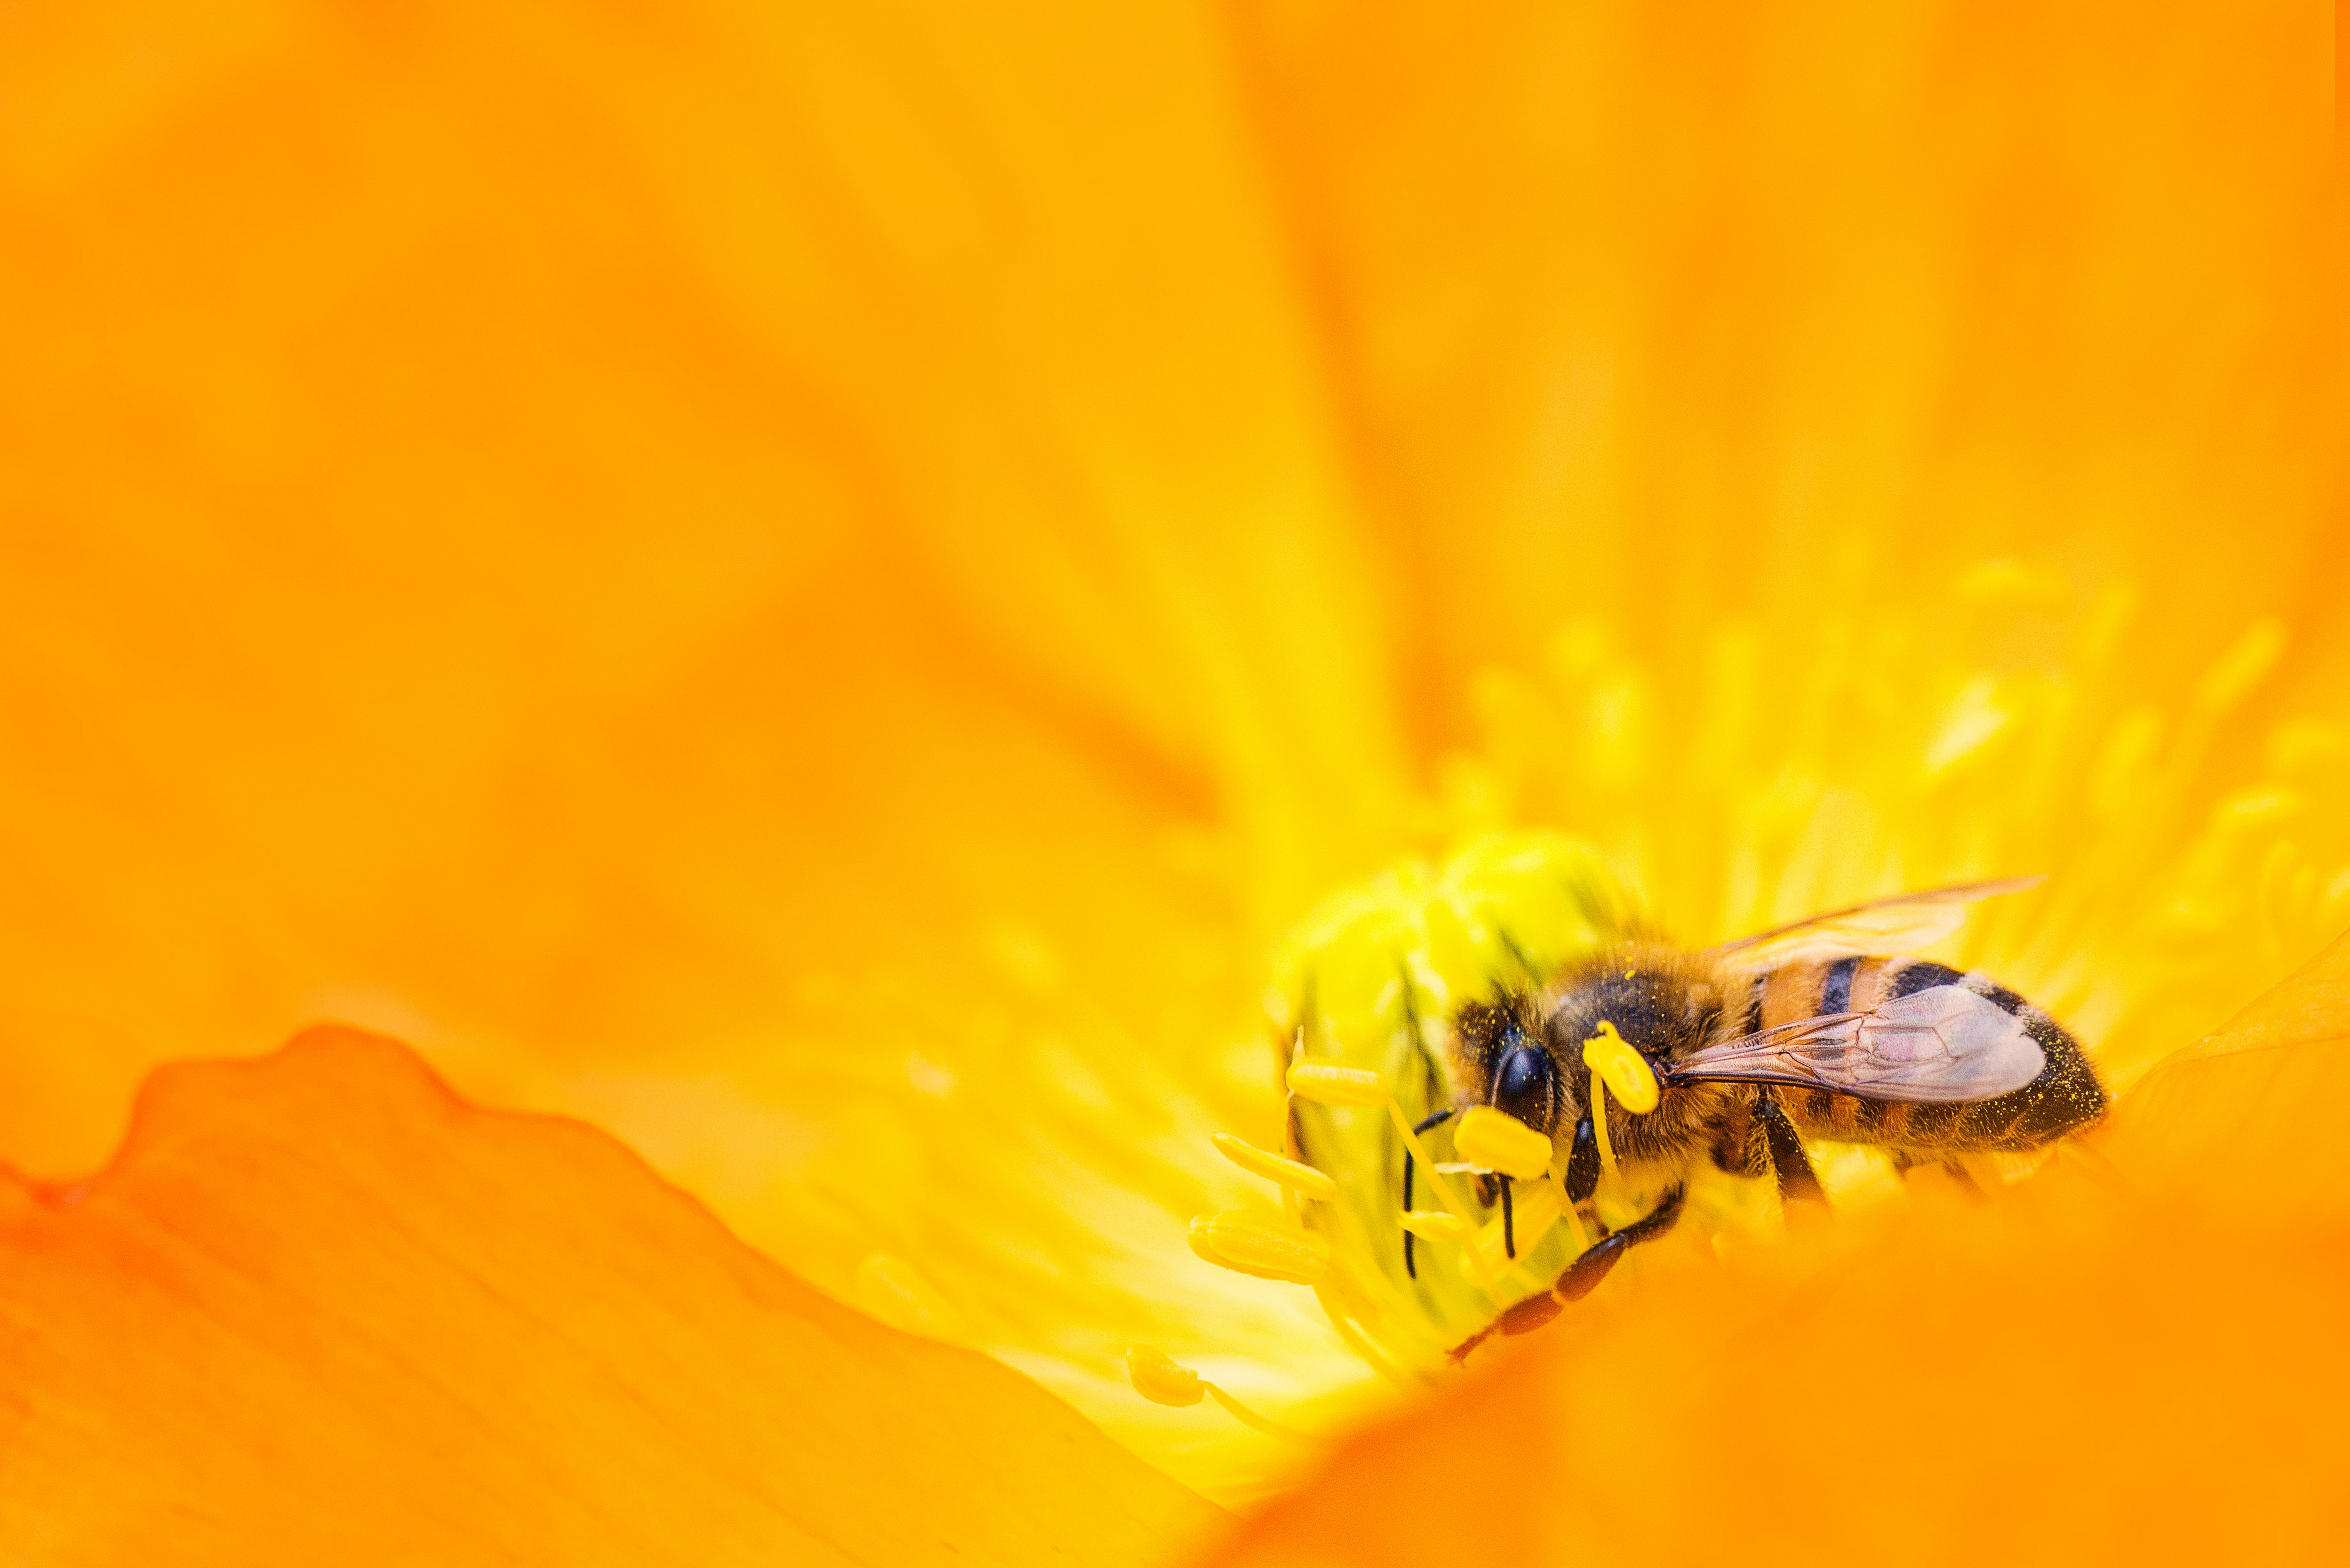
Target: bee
(1815, 1030)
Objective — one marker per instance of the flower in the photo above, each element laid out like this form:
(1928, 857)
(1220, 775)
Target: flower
(822, 590)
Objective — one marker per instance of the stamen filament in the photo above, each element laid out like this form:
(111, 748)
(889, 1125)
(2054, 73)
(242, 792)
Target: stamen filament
(1342, 1318)
(1328, 1083)
(1435, 1225)
(1442, 1184)
(1295, 1175)
(1248, 1417)
(1340, 1315)
(1600, 1124)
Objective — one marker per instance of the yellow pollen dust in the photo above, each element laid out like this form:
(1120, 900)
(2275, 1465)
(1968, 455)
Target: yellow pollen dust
(1265, 1248)
(1299, 1178)
(1327, 1084)
(1493, 1139)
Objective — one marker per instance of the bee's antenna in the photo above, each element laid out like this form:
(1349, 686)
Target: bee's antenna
(1412, 1270)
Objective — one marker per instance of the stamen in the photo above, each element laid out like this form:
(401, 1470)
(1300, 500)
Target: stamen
(1435, 1225)
(1297, 1176)
(1246, 1245)
(1496, 1140)
(1608, 1055)
(1328, 1083)
(1162, 1381)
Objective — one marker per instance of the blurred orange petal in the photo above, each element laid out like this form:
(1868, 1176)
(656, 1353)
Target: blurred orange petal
(2140, 1360)
(321, 1309)
(2252, 1118)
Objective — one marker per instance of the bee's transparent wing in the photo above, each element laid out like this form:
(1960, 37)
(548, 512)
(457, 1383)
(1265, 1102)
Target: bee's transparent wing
(1941, 1045)
(1882, 927)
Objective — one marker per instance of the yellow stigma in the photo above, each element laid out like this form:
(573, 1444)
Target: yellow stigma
(1262, 1246)
(1436, 1225)
(1493, 1139)
(1626, 1070)
(1327, 1084)
(1299, 1178)
(1161, 1380)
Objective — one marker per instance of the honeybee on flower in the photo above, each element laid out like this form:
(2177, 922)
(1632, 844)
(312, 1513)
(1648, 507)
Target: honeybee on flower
(1595, 1082)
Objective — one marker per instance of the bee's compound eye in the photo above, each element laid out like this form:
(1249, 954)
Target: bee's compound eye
(1521, 1087)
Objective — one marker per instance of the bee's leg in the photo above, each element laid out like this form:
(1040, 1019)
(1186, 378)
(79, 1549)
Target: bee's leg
(1797, 1184)
(1582, 1276)
(1508, 1222)
(1411, 1269)
(1583, 1164)
(1905, 1160)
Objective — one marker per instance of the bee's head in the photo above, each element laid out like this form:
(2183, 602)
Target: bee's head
(1512, 1067)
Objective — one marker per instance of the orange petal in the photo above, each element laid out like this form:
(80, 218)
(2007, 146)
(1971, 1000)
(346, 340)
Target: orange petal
(1578, 257)
(2103, 1364)
(2252, 1118)
(321, 1309)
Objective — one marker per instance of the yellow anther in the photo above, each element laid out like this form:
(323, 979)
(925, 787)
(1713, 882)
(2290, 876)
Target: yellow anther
(1436, 1225)
(1493, 1139)
(1252, 1244)
(1626, 1070)
(1297, 1176)
(1331, 1084)
(1161, 1380)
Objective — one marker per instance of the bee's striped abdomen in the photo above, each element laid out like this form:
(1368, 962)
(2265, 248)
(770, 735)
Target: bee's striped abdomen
(2065, 1096)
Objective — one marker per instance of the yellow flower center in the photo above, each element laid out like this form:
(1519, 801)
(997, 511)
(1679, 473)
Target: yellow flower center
(2190, 861)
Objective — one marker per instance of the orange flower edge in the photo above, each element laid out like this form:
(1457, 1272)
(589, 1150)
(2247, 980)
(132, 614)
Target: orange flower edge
(2083, 1369)
(319, 1309)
